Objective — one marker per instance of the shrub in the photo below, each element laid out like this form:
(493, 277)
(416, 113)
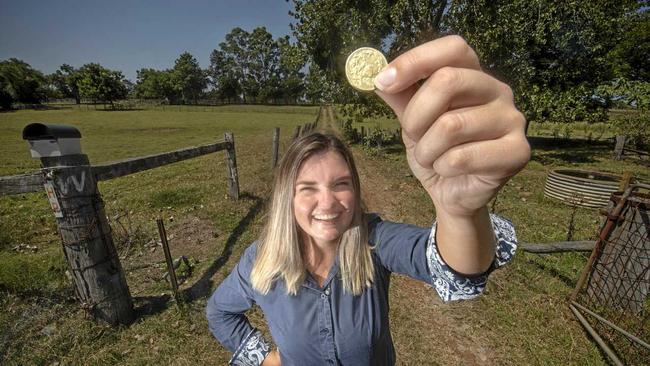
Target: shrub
(636, 129)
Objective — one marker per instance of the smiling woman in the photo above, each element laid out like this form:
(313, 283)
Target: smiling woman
(321, 269)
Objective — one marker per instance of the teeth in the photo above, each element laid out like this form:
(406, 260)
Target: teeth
(326, 217)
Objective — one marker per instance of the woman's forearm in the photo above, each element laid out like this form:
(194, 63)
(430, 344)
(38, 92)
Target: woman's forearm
(466, 243)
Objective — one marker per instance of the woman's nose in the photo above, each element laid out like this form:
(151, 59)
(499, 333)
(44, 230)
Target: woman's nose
(327, 199)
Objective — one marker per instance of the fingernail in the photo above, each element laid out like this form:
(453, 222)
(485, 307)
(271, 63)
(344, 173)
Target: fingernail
(385, 78)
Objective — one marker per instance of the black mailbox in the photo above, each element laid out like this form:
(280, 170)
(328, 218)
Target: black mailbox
(47, 140)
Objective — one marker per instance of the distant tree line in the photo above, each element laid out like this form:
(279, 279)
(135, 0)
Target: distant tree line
(565, 61)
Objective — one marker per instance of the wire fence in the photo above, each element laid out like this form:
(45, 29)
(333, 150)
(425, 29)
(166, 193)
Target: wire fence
(614, 298)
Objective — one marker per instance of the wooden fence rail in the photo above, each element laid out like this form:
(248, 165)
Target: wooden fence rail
(24, 183)
(33, 182)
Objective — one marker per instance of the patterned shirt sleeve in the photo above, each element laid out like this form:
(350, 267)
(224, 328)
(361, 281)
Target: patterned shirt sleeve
(227, 321)
(451, 285)
(252, 351)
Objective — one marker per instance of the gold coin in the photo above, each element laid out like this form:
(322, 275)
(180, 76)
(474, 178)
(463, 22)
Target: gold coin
(362, 66)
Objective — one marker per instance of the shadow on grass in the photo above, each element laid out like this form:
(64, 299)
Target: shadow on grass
(537, 260)
(146, 306)
(203, 286)
(551, 151)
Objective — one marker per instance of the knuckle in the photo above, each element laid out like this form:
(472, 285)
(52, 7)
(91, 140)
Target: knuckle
(451, 124)
(459, 159)
(459, 43)
(447, 76)
(506, 91)
(520, 152)
(409, 60)
(517, 119)
(422, 155)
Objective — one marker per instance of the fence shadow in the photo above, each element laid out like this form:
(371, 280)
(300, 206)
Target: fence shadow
(549, 151)
(146, 306)
(203, 286)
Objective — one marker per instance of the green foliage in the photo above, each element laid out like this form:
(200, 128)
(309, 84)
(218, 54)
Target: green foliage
(553, 54)
(66, 81)
(636, 130)
(257, 67)
(20, 83)
(154, 84)
(101, 84)
(187, 78)
(631, 93)
(330, 29)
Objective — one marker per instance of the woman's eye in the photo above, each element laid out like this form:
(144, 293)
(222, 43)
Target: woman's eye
(343, 184)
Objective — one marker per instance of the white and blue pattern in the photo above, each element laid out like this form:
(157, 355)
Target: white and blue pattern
(252, 351)
(453, 286)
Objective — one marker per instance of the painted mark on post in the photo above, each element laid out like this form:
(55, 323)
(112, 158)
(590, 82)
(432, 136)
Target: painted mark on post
(79, 184)
(54, 201)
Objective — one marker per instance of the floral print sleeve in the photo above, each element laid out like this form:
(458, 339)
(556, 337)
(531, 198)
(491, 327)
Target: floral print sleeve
(252, 351)
(451, 285)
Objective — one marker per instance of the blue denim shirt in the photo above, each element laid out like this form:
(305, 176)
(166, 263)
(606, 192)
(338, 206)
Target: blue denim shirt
(326, 326)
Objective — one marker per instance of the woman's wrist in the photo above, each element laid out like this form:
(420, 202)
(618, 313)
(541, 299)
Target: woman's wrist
(466, 242)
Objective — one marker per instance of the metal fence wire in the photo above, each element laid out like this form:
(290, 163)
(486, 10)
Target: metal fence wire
(612, 294)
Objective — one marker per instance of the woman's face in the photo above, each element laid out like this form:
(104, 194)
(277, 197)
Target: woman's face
(323, 201)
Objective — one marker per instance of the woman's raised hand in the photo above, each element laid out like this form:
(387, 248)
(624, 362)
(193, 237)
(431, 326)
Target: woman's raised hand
(464, 137)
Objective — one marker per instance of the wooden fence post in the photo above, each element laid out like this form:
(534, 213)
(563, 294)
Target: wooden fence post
(276, 145)
(620, 145)
(233, 178)
(296, 133)
(88, 245)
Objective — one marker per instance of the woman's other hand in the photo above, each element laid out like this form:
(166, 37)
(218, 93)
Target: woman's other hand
(272, 359)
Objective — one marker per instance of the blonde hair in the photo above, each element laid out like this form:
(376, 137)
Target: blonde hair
(279, 251)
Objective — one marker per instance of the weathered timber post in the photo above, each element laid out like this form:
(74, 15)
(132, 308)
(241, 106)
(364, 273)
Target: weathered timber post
(87, 241)
(276, 146)
(620, 145)
(296, 133)
(233, 177)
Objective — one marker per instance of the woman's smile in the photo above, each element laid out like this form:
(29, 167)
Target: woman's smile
(324, 197)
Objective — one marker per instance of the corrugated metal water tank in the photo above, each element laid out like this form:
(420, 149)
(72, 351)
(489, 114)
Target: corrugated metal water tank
(580, 187)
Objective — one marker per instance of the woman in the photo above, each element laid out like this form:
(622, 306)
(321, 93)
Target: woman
(321, 270)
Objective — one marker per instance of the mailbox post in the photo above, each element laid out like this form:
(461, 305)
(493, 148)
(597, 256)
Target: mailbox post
(87, 241)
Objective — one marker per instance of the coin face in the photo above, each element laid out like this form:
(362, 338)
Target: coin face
(362, 66)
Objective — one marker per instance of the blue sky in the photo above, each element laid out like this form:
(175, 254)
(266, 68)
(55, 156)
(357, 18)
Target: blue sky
(128, 35)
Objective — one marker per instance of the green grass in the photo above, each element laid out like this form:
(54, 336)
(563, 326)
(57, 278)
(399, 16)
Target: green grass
(523, 319)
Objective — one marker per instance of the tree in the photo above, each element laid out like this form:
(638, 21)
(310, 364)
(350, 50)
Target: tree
(222, 72)
(66, 80)
(291, 61)
(188, 78)
(155, 84)
(553, 54)
(248, 64)
(19, 82)
(101, 84)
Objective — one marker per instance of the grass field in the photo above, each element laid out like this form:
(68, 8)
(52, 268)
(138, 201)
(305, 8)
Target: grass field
(522, 319)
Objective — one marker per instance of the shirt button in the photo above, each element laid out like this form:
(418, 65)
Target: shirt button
(323, 296)
(324, 331)
(327, 291)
